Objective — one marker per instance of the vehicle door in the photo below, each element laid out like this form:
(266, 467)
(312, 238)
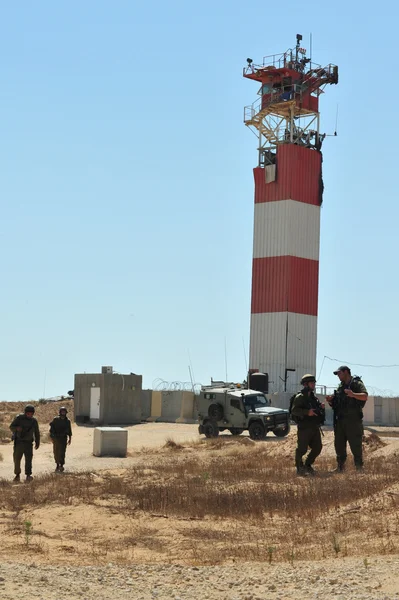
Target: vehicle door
(236, 412)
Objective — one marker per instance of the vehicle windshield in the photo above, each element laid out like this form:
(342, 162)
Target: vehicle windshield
(257, 401)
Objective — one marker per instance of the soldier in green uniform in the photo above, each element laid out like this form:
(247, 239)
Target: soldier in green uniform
(25, 431)
(61, 435)
(347, 403)
(309, 414)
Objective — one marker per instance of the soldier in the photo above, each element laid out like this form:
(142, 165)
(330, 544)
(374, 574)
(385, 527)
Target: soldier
(61, 435)
(25, 429)
(309, 414)
(347, 403)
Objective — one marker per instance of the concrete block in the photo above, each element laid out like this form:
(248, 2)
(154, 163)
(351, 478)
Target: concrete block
(171, 406)
(188, 410)
(368, 411)
(110, 441)
(156, 407)
(146, 397)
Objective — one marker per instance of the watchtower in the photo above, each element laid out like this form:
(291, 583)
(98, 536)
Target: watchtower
(288, 195)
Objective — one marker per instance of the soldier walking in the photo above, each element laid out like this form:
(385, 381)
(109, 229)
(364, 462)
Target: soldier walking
(25, 430)
(61, 435)
(309, 414)
(347, 403)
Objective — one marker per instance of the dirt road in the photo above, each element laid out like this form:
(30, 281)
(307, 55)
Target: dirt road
(79, 454)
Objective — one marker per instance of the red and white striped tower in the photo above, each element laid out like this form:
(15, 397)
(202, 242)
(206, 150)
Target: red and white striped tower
(288, 196)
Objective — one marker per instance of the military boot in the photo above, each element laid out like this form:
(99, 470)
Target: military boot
(29, 478)
(301, 471)
(339, 470)
(310, 470)
(17, 478)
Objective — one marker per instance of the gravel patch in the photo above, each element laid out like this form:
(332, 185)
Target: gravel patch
(340, 579)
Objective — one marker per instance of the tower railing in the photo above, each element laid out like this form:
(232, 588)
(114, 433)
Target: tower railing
(281, 61)
(252, 110)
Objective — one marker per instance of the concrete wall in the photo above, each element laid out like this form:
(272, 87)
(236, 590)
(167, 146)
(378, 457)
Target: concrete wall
(124, 402)
(386, 411)
(368, 411)
(156, 406)
(173, 407)
(174, 403)
(146, 397)
(280, 400)
(120, 397)
(81, 399)
(189, 411)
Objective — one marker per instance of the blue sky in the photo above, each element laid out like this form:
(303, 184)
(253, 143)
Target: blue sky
(127, 188)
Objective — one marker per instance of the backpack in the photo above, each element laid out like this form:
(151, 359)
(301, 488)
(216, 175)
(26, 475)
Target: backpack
(293, 418)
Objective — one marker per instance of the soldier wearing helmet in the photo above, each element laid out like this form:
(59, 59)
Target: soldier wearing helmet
(309, 414)
(25, 431)
(61, 435)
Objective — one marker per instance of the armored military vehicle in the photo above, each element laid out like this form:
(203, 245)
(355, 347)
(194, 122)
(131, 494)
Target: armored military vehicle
(237, 409)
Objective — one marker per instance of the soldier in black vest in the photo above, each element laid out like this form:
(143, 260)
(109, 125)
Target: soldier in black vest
(309, 414)
(25, 431)
(61, 435)
(347, 403)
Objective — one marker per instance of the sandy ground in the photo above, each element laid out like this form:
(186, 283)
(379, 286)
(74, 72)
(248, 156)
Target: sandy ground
(41, 577)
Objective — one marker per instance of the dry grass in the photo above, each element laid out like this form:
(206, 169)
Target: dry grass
(43, 412)
(373, 442)
(217, 501)
(172, 445)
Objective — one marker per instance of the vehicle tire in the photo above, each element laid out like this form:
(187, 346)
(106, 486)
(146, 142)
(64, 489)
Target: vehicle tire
(235, 431)
(215, 411)
(282, 431)
(211, 430)
(257, 431)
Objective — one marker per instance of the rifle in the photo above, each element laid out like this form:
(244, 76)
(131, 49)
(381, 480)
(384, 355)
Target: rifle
(335, 405)
(19, 435)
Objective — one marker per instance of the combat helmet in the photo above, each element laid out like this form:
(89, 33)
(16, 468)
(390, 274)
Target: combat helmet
(307, 379)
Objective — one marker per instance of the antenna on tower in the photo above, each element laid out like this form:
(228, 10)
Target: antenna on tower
(298, 43)
(245, 355)
(225, 357)
(310, 50)
(191, 378)
(336, 122)
(336, 128)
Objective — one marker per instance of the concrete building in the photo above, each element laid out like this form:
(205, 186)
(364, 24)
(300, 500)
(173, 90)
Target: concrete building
(108, 398)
